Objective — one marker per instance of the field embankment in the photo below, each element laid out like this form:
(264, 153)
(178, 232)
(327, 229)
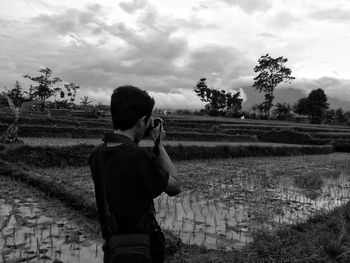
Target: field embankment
(77, 155)
(187, 129)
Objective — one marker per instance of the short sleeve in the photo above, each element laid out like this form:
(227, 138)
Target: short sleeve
(154, 177)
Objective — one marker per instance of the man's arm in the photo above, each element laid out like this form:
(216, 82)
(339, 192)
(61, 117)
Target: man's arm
(173, 188)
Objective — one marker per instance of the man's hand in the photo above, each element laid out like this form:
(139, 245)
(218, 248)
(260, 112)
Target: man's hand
(159, 130)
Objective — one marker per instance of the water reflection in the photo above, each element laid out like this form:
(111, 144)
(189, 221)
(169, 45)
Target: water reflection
(27, 234)
(228, 211)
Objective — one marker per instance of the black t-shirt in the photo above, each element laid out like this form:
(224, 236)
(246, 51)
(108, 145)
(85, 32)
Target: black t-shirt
(132, 178)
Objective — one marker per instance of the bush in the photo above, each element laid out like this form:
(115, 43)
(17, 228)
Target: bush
(215, 128)
(202, 152)
(322, 129)
(290, 136)
(45, 156)
(63, 122)
(56, 132)
(331, 135)
(78, 155)
(80, 132)
(183, 112)
(232, 114)
(342, 147)
(198, 136)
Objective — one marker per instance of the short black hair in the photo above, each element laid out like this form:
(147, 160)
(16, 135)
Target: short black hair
(128, 104)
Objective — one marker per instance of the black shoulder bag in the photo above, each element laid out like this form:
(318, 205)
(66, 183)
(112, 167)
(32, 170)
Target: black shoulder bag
(122, 247)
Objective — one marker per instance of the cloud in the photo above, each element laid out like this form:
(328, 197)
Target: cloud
(199, 6)
(227, 61)
(133, 6)
(337, 88)
(96, 95)
(283, 19)
(251, 6)
(146, 58)
(184, 97)
(164, 53)
(192, 23)
(242, 94)
(268, 35)
(334, 14)
(71, 20)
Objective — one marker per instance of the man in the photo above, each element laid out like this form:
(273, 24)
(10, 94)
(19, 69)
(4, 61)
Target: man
(129, 177)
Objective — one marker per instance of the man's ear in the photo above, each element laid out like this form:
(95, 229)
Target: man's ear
(143, 121)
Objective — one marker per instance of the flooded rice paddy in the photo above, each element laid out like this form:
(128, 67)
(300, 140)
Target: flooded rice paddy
(225, 214)
(35, 230)
(225, 201)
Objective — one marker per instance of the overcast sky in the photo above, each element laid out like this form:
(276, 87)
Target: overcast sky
(165, 46)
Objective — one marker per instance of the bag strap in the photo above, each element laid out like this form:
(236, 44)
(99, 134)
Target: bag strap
(112, 224)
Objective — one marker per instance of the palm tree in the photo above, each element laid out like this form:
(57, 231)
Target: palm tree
(85, 101)
(12, 131)
(261, 108)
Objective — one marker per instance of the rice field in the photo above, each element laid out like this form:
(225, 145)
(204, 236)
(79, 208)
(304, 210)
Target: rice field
(225, 201)
(33, 229)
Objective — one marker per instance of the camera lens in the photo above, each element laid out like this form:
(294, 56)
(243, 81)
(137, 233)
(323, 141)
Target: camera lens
(156, 122)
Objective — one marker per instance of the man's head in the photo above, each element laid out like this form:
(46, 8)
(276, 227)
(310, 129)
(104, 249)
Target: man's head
(130, 106)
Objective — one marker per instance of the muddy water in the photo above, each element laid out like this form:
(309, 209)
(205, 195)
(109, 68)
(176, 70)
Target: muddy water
(29, 232)
(225, 215)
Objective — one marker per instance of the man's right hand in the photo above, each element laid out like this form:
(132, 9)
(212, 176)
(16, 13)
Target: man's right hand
(156, 131)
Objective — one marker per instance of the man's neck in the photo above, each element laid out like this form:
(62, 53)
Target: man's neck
(128, 133)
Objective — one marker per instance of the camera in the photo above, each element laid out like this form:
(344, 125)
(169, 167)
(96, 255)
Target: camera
(155, 123)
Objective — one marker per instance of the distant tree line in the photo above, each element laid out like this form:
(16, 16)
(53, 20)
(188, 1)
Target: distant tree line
(44, 88)
(18, 101)
(271, 72)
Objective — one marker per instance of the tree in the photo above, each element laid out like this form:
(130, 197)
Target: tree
(85, 102)
(12, 131)
(271, 72)
(261, 107)
(17, 95)
(347, 118)
(218, 100)
(71, 89)
(317, 105)
(302, 106)
(339, 116)
(233, 102)
(283, 111)
(329, 116)
(44, 88)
